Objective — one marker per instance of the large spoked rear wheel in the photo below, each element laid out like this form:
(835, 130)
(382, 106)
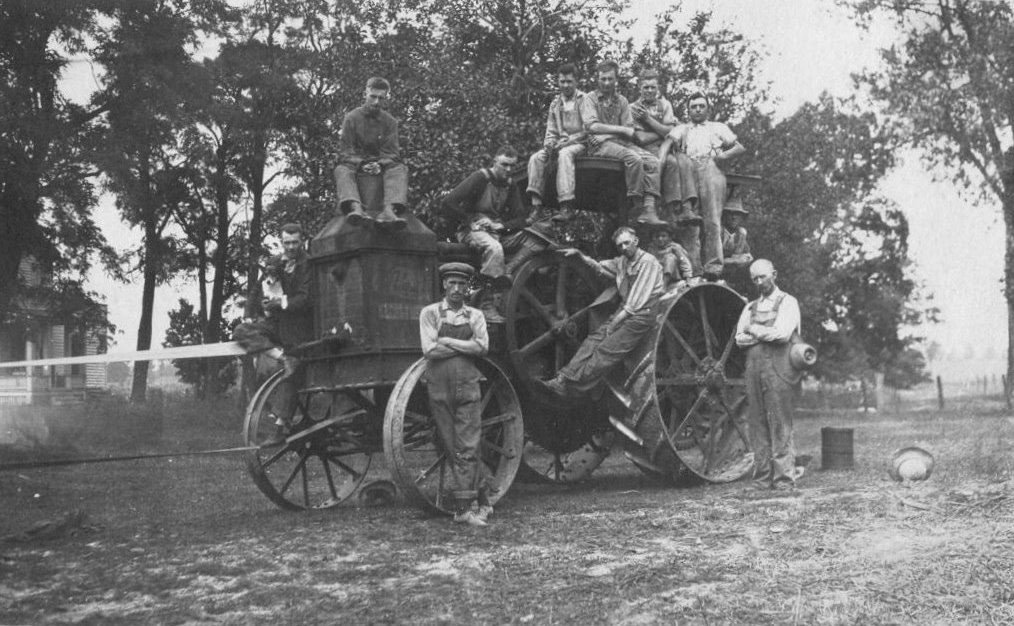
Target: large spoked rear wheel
(322, 460)
(700, 387)
(549, 313)
(418, 462)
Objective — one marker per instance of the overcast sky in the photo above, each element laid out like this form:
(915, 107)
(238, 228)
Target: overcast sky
(812, 47)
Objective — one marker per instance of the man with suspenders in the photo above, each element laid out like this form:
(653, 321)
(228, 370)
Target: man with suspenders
(765, 330)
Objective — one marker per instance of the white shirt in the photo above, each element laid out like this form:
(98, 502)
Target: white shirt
(787, 322)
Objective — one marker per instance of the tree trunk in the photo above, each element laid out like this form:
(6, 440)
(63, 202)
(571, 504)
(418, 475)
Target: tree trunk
(209, 368)
(1008, 280)
(151, 264)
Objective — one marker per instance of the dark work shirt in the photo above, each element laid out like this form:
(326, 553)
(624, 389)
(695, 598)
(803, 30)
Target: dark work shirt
(368, 137)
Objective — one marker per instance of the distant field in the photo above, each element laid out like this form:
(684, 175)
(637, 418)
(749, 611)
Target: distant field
(191, 540)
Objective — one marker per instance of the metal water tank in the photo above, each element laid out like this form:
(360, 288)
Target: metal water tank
(372, 282)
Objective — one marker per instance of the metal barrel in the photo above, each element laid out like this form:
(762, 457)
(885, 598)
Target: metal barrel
(836, 448)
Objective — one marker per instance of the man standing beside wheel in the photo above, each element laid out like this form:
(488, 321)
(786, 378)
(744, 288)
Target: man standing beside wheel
(639, 280)
(765, 329)
(369, 145)
(452, 334)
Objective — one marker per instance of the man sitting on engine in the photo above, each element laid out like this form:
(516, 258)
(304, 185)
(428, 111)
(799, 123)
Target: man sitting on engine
(639, 280)
(485, 204)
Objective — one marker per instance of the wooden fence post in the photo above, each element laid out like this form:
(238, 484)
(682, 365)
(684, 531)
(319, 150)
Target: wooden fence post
(1006, 391)
(940, 393)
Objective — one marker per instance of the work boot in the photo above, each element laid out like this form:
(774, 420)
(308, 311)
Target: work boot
(553, 386)
(566, 212)
(357, 216)
(389, 220)
(687, 217)
(487, 304)
(277, 437)
(648, 215)
(469, 515)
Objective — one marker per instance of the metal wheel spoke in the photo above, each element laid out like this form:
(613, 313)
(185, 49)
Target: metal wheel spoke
(487, 422)
(561, 290)
(429, 470)
(306, 487)
(486, 443)
(538, 306)
(731, 412)
(728, 349)
(486, 397)
(351, 471)
(440, 485)
(677, 380)
(330, 478)
(709, 336)
(292, 475)
(690, 413)
(274, 457)
(683, 342)
(537, 344)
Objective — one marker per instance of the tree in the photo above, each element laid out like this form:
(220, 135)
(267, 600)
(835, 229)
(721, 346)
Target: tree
(842, 251)
(149, 90)
(948, 87)
(46, 192)
(186, 328)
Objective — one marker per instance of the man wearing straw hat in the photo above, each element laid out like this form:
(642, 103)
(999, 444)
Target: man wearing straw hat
(452, 334)
(735, 245)
(765, 330)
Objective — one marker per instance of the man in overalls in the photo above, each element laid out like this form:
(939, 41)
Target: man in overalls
(765, 330)
(452, 334)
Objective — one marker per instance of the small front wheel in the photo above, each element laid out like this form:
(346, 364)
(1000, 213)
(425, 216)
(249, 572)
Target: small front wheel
(316, 460)
(415, 456)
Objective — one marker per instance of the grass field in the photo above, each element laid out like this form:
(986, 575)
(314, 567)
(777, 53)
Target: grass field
(191, 541)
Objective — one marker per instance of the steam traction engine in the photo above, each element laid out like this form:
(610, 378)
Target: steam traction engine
(677, 408)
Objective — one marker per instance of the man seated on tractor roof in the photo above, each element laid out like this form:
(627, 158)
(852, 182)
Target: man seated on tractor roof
(484, 204)
(452, 334)
(654, 119)
(640, 283)
(610, 124)
(369, 145)
(707, 144)
(284, 320)
(564, 140)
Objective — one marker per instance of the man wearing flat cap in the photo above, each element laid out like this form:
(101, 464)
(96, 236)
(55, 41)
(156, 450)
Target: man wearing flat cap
(452, 334)
(765, 330)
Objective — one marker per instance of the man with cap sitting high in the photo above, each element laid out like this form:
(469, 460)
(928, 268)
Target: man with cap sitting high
(765, 330)
(452, 334)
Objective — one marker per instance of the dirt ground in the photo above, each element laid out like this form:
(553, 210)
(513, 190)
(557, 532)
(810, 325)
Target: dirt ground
(191, 541)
